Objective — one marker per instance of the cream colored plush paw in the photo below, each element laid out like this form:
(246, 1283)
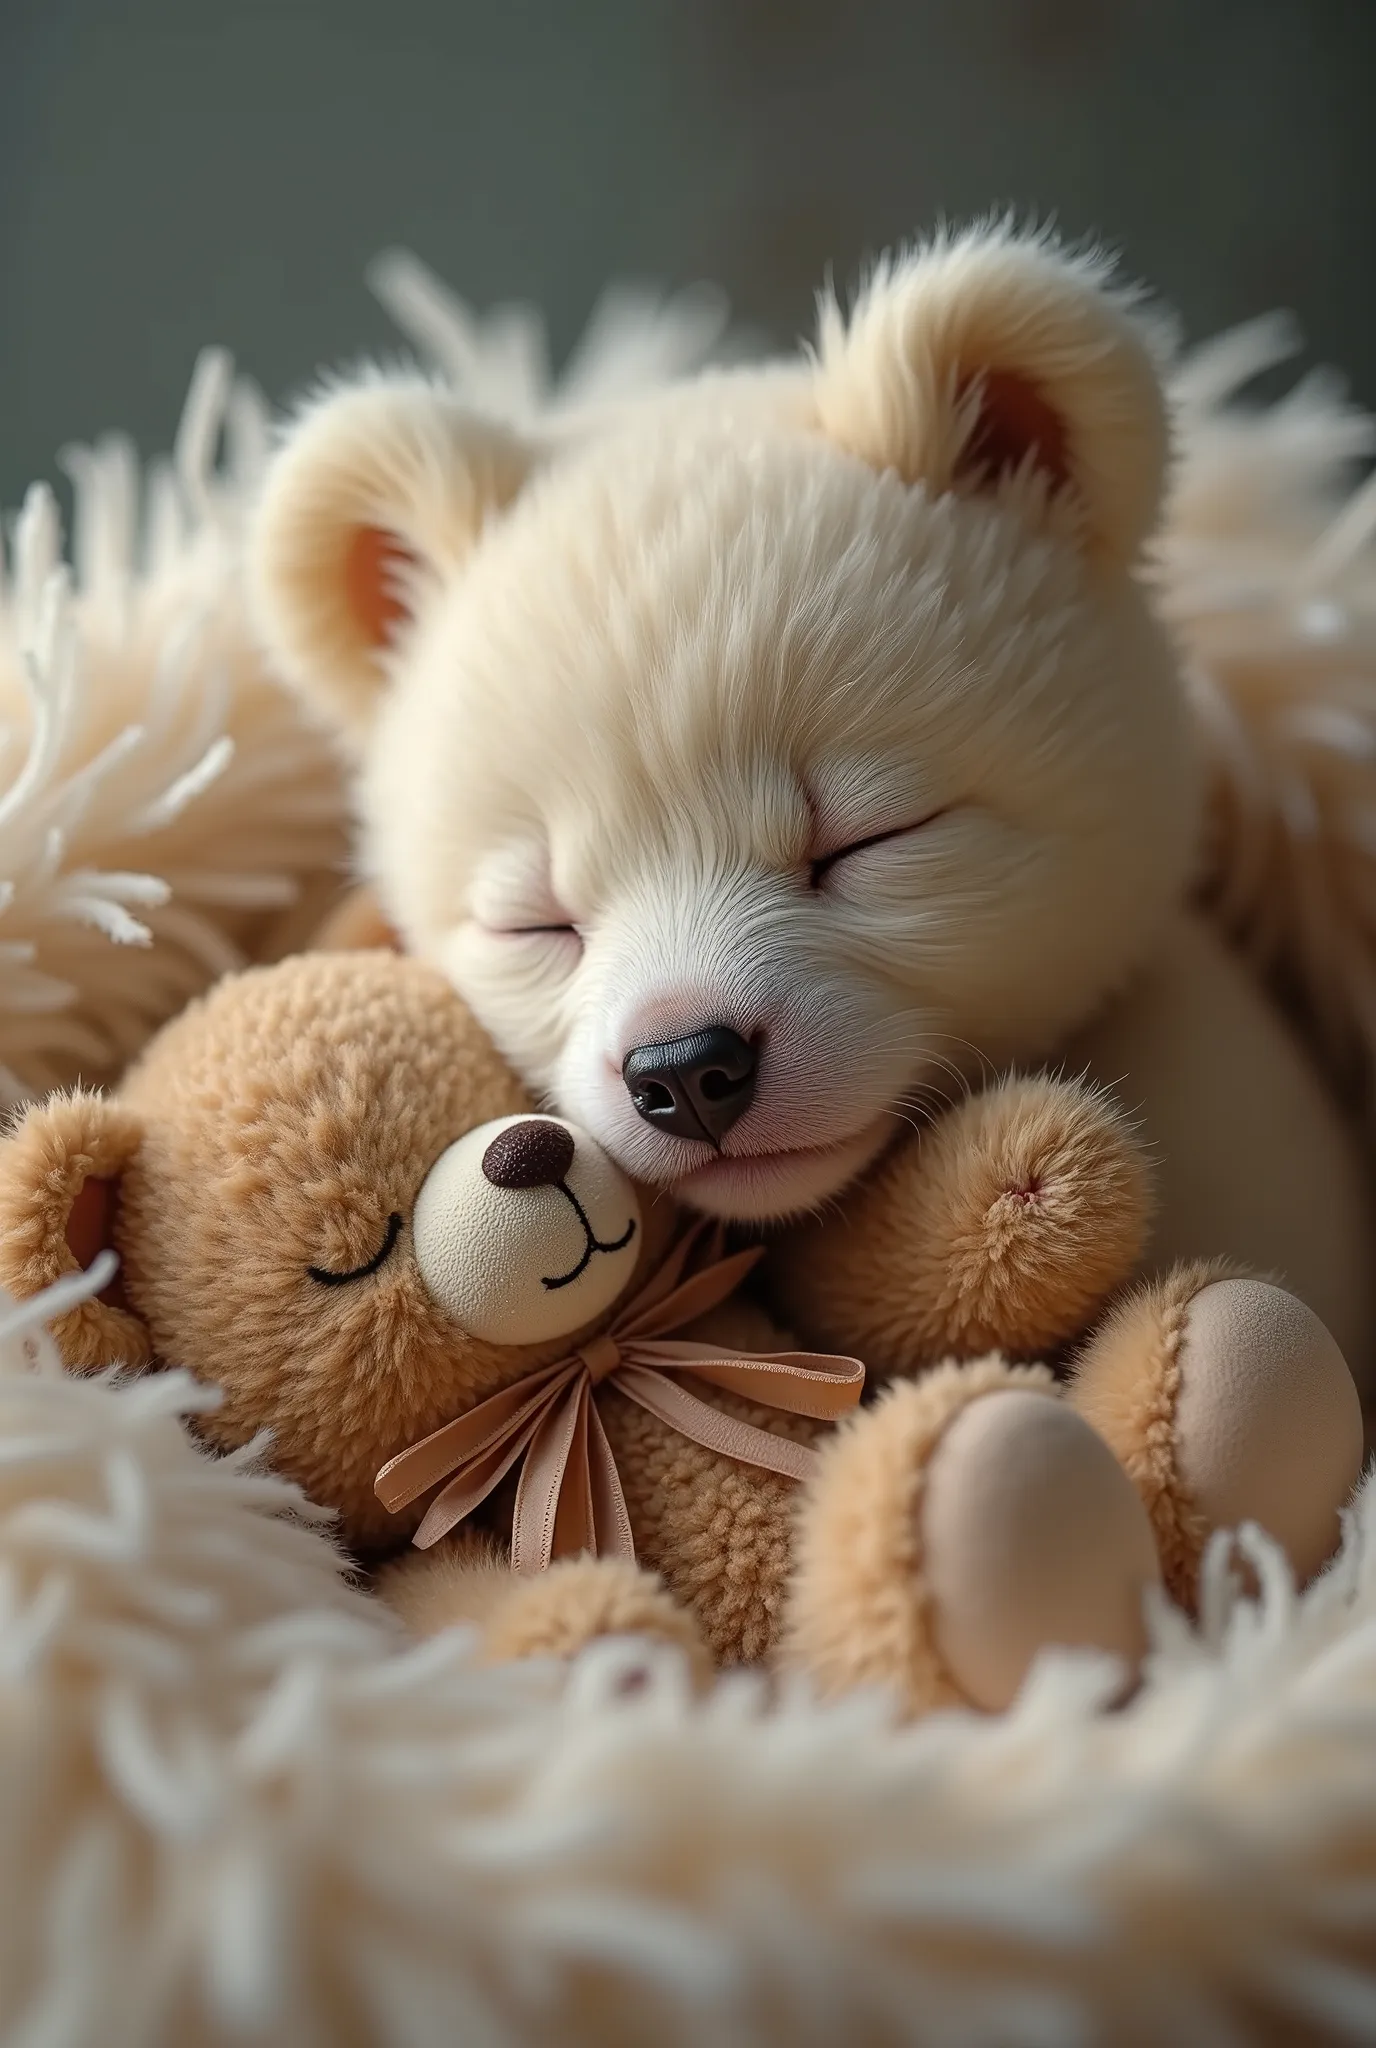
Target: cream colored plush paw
(955, 1528)
(1227, 1401)
(1033, 1536)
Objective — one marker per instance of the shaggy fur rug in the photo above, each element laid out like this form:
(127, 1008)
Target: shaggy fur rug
(163, 804)
(236, 1807)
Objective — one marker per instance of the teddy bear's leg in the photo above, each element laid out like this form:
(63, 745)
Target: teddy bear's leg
(1001, 1227)
(1226, 1400)
(964, 1522)
(546, 1614)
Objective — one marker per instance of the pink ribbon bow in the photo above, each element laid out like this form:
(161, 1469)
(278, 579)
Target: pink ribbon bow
(569, 1496)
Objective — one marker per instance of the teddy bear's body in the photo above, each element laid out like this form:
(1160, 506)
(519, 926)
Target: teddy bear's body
(253, 1161)
(806, 733)
(461, 1324)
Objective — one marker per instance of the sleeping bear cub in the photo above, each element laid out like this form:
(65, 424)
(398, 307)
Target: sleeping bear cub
(763, 757)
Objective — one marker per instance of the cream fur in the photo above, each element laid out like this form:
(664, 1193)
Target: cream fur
(1253, 1159)
(920, 330)
(726, 630)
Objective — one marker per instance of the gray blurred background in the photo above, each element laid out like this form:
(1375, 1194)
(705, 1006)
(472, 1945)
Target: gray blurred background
(179, 171)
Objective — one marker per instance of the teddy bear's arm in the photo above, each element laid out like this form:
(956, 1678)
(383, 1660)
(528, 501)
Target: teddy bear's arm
(1001, 1227)
(553, 1613)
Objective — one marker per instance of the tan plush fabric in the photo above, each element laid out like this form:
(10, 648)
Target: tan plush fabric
(553, 1615)
(1126, 1383)
(1006, 1222)
(283, 1123)
(1253, 1160)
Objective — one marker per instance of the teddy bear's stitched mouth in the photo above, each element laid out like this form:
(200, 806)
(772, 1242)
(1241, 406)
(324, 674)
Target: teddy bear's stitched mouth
(592, 1242)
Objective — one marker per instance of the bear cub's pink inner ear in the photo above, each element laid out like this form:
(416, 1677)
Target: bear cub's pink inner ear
(372, 562)
(1014, 421)
(91, 1230)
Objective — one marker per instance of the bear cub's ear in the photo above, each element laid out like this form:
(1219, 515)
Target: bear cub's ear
(59, 1188)
(381, 487)
(993, 354)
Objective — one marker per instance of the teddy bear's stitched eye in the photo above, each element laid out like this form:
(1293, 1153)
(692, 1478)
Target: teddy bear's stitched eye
(328, 1278)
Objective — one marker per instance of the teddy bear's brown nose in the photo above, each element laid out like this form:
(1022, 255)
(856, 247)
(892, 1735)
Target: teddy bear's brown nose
(535, 1153)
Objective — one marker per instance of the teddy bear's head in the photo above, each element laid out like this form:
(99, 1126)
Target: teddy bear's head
(330, 1197)
(748, 754)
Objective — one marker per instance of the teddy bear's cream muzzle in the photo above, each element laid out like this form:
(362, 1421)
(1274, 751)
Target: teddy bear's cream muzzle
(524, 1230)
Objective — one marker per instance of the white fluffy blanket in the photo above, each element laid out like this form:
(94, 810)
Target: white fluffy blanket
(233, 1808)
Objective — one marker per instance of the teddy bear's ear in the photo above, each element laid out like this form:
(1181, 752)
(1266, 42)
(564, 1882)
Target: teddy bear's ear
(992, 354)
(60, 1170)
(378, 489)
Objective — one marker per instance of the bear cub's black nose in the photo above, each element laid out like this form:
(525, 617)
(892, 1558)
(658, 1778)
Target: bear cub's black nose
(694, 1087)
(534, 1153)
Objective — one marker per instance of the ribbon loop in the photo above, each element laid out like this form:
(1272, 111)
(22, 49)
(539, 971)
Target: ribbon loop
(569, 1496)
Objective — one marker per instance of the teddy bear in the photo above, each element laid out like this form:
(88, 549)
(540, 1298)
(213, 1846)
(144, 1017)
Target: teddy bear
(763, 756)
(469, 1333)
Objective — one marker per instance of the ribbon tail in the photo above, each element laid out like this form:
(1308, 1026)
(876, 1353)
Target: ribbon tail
(725, 1434)
(470, 1487)
(575, 1515)
(535, 1518)
(815, 1383)
(501, 1419)
(611, 1520)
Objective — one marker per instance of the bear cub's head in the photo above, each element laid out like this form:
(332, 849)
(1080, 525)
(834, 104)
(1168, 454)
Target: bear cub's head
(753, 753)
